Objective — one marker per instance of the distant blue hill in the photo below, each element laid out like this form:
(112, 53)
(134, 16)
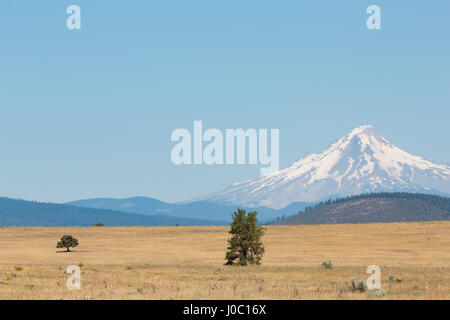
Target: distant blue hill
(27, 213)
(195, 210)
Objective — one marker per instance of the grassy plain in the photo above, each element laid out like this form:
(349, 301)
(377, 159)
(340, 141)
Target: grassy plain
(187, 262)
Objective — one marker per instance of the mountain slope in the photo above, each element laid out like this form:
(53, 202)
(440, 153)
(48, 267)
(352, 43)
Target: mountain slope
(27, 213)
(143, 205)
(194, 210)
(383, 207)
(361, 162)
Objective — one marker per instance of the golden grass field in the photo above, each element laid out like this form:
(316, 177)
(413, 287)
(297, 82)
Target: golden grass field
(187, 262)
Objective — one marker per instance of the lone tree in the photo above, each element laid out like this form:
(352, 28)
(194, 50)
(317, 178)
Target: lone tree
(245, 244)
(67, 241)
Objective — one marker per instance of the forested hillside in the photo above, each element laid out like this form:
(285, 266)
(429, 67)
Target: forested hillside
(375, 207)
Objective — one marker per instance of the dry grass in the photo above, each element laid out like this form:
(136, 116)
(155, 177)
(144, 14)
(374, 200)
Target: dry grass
(187, 262)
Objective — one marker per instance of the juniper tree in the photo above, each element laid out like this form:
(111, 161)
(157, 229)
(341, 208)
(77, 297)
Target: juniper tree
(67, 241)
(245, 244)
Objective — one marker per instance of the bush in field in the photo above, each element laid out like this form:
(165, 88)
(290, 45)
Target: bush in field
(378, 293)
(98, 224)
(391, 279)
(361, 285)
(327, 264)
(67, 241)
(358, 285)
(245, 245)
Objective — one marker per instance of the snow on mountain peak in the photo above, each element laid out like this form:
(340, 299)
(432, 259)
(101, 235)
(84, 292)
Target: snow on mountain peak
(362, 161)
(367, 129)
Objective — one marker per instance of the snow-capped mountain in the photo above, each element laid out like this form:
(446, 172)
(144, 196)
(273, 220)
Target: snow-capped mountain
(362, 161)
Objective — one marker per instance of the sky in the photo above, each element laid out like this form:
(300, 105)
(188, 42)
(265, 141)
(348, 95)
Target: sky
(89, 113)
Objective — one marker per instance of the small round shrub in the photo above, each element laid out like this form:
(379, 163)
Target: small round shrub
(98, 224)
(380, 293)
(391, 279)
(361, 285)
(327, 264)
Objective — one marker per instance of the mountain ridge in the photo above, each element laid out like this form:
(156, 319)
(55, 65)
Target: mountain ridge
(15, 212)
(198, 210)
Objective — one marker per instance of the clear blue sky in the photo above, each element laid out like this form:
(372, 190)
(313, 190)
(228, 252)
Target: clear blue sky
(89, 113)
